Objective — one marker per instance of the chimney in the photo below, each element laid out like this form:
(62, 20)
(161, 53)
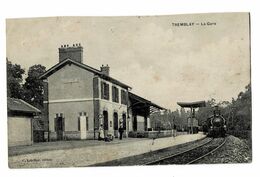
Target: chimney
(105, 70)
(74, 53)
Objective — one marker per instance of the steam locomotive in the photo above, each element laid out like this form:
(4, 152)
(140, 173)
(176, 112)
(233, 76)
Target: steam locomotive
(216, 124)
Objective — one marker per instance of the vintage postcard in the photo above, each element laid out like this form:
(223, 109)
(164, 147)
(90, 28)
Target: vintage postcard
(130, 90)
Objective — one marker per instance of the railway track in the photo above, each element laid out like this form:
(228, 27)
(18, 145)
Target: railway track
(191, 155)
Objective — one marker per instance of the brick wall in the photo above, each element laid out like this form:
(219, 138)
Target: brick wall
(74, 53)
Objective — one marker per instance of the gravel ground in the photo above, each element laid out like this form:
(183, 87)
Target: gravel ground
(235, 150)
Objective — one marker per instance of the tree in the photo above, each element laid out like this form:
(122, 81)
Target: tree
(237, 112)
(14, 80)
(33, 86)
(204, 112)
(242, 119)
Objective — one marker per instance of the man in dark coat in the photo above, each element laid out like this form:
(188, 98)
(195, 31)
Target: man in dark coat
(121, 131)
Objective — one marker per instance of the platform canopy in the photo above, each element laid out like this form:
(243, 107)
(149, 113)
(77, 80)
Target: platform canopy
(195, 104)
(140, 104)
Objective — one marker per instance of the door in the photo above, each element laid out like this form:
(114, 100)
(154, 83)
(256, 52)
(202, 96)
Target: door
(115, 124)
(59, 127)
(105, 114)
(135, 123)
(124, 124)
(124, 121)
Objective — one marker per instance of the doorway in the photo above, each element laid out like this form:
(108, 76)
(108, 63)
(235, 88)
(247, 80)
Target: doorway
(124, 121)
(116, 124)
(59, 127)
(105, 115)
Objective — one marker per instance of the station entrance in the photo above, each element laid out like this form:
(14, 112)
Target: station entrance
(59, 126)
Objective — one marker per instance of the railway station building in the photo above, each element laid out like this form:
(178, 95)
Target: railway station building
(80, 98)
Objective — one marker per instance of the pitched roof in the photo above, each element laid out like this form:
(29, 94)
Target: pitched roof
(14, 104)
(81, 65)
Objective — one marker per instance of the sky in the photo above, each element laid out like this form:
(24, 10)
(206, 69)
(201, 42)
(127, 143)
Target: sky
(161, 61)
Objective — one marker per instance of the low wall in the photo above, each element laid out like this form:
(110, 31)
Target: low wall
(72, 135)
(155, 134)
(181, 133)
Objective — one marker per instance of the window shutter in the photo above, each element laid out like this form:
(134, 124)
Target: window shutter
(102, 90)
(123, 97)
(116, 94)
(113, 93)
(107, 90)
(126, 98)
(117, 99)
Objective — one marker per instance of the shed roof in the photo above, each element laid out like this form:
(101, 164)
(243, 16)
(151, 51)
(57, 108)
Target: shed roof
(140, 100)
(14, 104)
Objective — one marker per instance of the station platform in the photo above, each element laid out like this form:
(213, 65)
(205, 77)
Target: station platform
(89, 152)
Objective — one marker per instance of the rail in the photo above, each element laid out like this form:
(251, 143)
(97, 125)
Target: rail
(186, 152)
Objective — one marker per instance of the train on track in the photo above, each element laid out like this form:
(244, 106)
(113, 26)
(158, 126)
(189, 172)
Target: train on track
(215, 125)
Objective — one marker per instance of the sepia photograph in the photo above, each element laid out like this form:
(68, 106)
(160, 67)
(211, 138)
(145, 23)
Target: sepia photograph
(95, 91)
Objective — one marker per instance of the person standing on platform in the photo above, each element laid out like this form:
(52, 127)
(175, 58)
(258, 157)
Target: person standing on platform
(101, 135)
(121, 131)
(174, 130)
